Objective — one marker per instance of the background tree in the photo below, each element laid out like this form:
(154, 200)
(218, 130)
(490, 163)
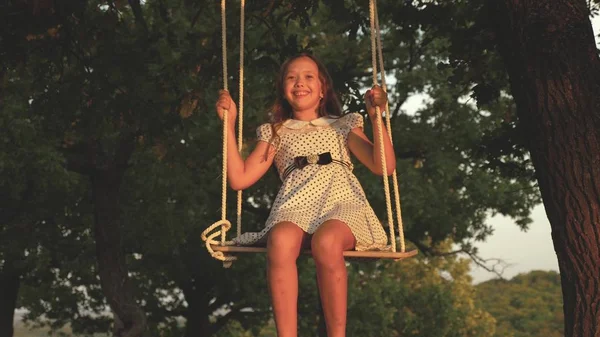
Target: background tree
(527, 305)
(549, 53)
(125, 93)
(40, 198)
(424, 296)
(421, 297)
(553, 63)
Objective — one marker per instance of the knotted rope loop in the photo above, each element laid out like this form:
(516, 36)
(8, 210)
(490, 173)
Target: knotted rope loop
(209, 240)
(224, 223)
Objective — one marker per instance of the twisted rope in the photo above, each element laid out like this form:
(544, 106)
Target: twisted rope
(377, 54)
(379, 128)
(389, 127)
(225, 119)
(224, 224)
(210, 240)
(241, 110)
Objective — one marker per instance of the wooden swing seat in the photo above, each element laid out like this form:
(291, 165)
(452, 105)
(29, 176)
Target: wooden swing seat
(349, 253)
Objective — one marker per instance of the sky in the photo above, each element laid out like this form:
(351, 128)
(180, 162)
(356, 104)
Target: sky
(522, 251)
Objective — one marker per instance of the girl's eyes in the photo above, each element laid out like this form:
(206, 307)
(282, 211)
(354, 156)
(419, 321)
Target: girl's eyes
(294, 77)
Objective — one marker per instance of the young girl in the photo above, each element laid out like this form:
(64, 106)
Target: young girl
(320, 203)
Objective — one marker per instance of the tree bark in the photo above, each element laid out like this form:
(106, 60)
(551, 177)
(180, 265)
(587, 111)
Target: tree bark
(9, 289)
(552, 61)
(114, 279)
(197, 316)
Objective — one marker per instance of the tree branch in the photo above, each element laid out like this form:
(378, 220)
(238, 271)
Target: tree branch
(269, 8)
(497, 268)
(136, 7)
(124, 150)
(79, 158)
(164, 13)
(10, 214)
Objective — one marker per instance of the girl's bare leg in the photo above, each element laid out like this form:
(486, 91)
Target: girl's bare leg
(283, 248)
(327, 245)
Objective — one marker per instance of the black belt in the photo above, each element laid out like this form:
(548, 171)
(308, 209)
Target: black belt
(320, 159)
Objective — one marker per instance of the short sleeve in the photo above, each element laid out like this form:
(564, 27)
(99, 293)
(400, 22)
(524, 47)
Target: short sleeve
(264, 133)
(355, 120)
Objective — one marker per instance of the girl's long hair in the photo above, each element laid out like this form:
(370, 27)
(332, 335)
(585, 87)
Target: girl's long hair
(282, 110)
(328, 106)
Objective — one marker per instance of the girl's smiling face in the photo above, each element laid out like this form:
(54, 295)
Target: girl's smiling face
(303, 88)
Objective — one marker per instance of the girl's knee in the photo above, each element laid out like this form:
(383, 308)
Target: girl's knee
(329, 242)
(327, 248)
(284, 243)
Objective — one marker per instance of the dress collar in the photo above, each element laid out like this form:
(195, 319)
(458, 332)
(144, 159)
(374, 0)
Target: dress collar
(297, 124)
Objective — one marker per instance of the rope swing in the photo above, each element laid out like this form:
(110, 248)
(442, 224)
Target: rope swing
(222, 249)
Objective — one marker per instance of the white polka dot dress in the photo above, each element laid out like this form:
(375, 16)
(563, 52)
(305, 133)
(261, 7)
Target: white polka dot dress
(316, 193)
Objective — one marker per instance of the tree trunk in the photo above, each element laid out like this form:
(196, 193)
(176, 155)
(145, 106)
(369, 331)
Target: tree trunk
(9, 289)
(197, 317)
(114, 279)
(551, 57)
